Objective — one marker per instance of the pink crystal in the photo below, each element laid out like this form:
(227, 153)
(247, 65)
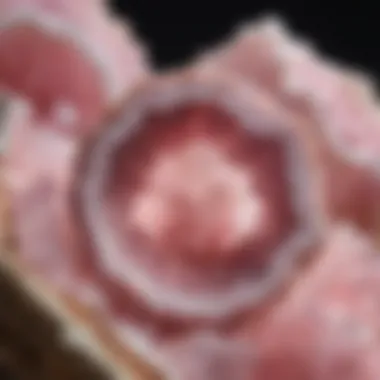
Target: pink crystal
(225, 216)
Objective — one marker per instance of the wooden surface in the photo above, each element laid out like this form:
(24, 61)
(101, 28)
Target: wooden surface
(30, 348)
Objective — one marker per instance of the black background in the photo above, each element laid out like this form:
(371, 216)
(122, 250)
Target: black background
(175, 31)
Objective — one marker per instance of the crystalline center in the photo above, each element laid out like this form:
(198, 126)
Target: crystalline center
(197, 198)
(196, 188)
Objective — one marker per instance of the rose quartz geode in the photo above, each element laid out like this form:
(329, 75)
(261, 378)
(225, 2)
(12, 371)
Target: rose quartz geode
(219, 221)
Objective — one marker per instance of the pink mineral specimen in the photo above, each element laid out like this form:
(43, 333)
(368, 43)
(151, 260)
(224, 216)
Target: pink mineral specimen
(327, 326)
(197, 195)
(221, 219)
(77, 53)
(338, 104)
(64, 66)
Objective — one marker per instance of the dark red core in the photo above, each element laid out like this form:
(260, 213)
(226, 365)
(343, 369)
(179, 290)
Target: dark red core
(192, 191)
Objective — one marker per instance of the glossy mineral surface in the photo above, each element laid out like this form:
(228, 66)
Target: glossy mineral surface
(221, 222)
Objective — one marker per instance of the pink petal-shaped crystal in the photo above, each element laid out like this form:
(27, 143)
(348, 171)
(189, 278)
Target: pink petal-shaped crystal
(326, 327)
(338, 104)
(61, 55)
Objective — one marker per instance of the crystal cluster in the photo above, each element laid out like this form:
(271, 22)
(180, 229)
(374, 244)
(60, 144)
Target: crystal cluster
(216, 221)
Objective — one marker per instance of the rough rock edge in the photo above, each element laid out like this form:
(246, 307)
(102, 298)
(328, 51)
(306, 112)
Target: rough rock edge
(289, 49)
(96, 56)
(82, 329)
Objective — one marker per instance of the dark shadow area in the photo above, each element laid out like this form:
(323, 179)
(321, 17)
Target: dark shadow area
(175, 31)
(30, 344)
